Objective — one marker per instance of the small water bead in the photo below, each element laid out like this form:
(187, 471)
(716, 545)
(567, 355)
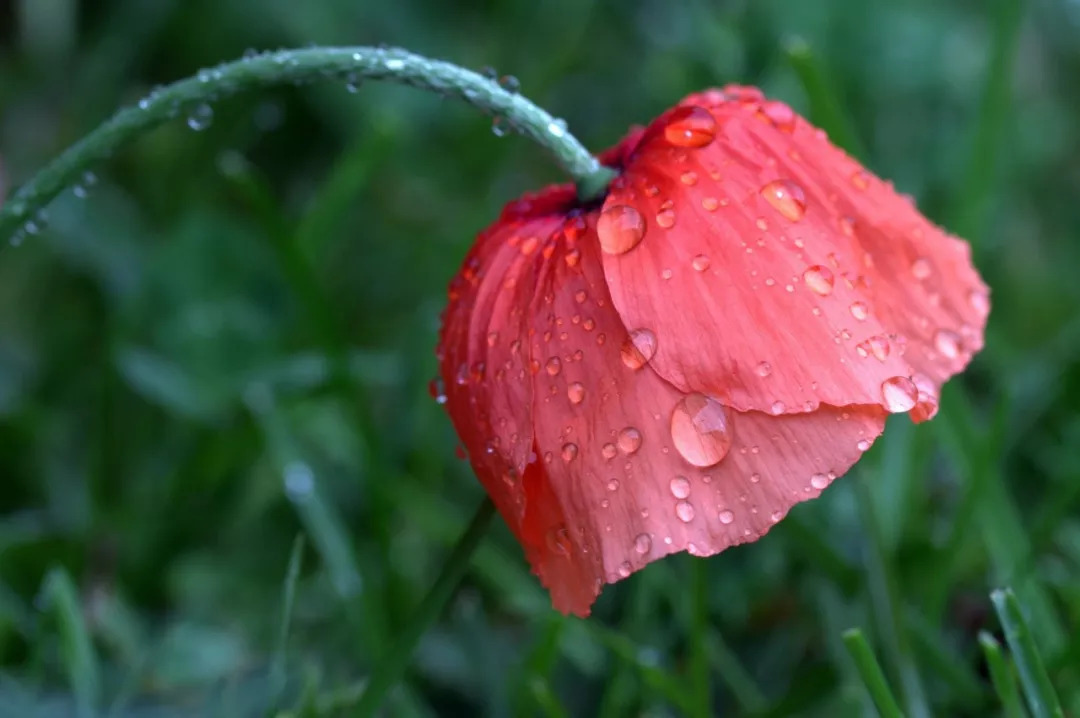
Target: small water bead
(82, 188)
(685, 511)
(638, 349)
(860, 179)
(980, 302)
(755, 478)
(726, 517)
(763, 369)
(680, 487)
(776, 516)
(557, 127)
(879, 346)
(786, 197)
(860, 311)
(688, 178)
(510, 83)
(613, 485)
(819, 279)
(819, 481)
(394, 64)
(629, 440)
(625, 569)
(690, 127)
(569, 452)
(665, 218)
(700, 263)
(576, 392)
(643, 544)
(201, 117)
(608, 451)
(948, 343)
(778, 407)
(700, 430)
(709, 204)
(847, 226)
(921, 268)
(620, 229)
(900, 394)
(572, 257)
(862, 445)
(500, 126)
(553, 366)
(558, 540)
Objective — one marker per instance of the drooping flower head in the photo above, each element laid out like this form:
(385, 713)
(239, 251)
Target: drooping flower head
(673, 369)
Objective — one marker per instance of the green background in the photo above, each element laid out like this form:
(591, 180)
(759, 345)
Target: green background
(233, 316)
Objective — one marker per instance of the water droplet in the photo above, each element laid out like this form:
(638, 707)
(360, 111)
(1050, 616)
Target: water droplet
(394, 64)
(755, 478)
(764, 369)
(900, 394)
(819, 279)
(776, 516)
(643, 543)
(620, 229)
(500, 126)
(700, 263)
(819, 481)
(680, 487)
(576, 392)
(201, 117)
(665, 218)
(786, 197)
(82, 189)
(778, 408)
(700, 431)
(299, 480)
(613, 485)
(625, 569)
(709, 204)
(860, 179)
(572, 257)
(921, 268)
(569, 452)
(553, 366)
(862, 445)
(557, 127)
(690, 127)
(629, 440)
(726, 517)
(638, 348)
(608, 451)
(980, 302)
(437, 390)
(558, 540)
(685, 511)
(688, 178)
(510, 83)
(948, 343)
(879, 346)
(859, 310)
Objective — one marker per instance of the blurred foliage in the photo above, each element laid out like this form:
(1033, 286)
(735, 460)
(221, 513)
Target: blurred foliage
(226, 343)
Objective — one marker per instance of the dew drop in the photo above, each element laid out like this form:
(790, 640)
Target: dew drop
(690, 127)
(921, 268)
(859, 310)
(947, 343)
(201, 117)
(685, 511)
(709, 204)
(778, 408)
(763, 369)
(638, 348)
(629, 440)
(700, 263)
(608, 451)
(569, 452)
(553, 366)
(625, 569)
(819, 279)
(643, 543)
(980, 302)
(847, 226)
(819, 481)
(680, 487)
(786, 197)
(879, 346)
(900, 394)
(862, 445)
(726, 517)
(620, 229)
(860, 179)
(613, 485)
(700, 430)
(665, 218)
(688, 178)
(576, 392)
(558, 540)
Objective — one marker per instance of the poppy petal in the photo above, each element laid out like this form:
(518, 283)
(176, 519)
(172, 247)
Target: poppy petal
(776, 273)
(484, 349)
(632, 469)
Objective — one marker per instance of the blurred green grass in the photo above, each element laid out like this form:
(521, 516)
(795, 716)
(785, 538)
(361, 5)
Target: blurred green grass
(227, 344)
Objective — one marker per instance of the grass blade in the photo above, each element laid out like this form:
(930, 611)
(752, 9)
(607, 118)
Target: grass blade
(825, 108)
(292, 576)
(62, 597)
(1039, 692)
(699, 620)
(871, 674)
(1002, 676)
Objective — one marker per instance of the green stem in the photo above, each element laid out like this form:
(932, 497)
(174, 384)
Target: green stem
(390, 668)
(871, 674)
(191, 98)
(1039, 691)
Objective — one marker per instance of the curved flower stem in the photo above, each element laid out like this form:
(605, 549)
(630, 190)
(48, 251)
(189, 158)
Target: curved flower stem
(341, 64)
(390, 667)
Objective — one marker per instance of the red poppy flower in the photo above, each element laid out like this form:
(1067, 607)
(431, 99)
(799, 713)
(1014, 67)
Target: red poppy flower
(724, 336)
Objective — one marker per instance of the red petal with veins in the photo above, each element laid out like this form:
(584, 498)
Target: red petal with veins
(777, 273)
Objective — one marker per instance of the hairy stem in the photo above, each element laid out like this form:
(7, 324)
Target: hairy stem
(190, 97)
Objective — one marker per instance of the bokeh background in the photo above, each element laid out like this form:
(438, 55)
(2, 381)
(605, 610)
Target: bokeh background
(223, 342)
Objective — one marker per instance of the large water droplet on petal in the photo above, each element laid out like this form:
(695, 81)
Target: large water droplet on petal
(700, 430)
(900, 394)
(786, 197)
(680, 487)
(569, 452)
(638, 348)
(690, 127)
(819, 279)
(576, 392)
(629, 440)
(620, 229)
